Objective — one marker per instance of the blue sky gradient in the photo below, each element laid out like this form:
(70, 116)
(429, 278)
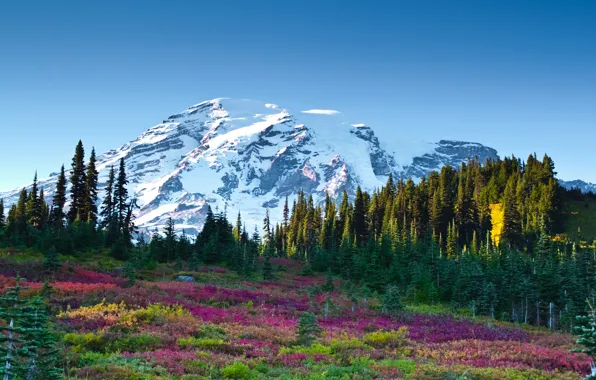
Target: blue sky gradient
(519, 76)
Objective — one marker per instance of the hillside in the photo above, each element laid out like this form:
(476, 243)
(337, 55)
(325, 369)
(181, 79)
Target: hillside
(224, 326)
(580, 218)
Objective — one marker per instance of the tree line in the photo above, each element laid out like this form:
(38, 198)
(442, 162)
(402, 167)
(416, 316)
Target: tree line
(478, 237)
(34, 222)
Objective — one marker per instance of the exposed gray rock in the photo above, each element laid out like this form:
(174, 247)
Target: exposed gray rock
(246, 156)
(186, 279)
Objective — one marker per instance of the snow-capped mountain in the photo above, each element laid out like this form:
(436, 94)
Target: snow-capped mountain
(584, 187)
(247, 156)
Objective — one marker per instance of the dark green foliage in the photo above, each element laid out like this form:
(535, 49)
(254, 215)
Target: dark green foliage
(308, 329)
(169, 241)
(130, 270)
(2, 217)
(89, 211)
(267, 269)
(121, 204)
(120, 249)
(328, 285)
(586, 329)
(392, 303)
(11, 312)
(58, 202)
(107, 207)
(51, 262)
(27, 347)
(77, 185)
(432, 239)
(42, 354)
(33, 207)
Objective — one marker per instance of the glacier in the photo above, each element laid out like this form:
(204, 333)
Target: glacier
(242, 155)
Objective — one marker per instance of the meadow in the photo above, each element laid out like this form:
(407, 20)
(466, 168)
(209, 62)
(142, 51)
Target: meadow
(225, 327)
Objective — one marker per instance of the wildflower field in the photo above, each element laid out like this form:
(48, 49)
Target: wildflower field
(225, 327)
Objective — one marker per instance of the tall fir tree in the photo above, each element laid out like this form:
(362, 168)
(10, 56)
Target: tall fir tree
(77, 185)
(33, 205)
(41, 357)
(107, 206)
(512, 229)
(2, 217)
(121, 196)
(58, 201)
(90, 202)
(12, 306)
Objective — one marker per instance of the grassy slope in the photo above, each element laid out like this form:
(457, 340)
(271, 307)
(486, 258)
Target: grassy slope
(580, 216)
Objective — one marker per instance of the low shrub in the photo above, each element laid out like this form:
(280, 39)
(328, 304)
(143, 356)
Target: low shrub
(201, 343)
(238, 370)
(86, 342)
(381, 338)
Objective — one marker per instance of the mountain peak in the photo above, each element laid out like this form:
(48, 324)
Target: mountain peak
(246, 155)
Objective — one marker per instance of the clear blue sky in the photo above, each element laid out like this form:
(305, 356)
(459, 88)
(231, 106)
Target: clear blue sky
(519, 76)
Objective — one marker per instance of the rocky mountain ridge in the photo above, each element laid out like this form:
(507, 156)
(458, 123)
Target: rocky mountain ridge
(244, 155)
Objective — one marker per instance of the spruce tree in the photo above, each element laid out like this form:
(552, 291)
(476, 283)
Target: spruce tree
(512, 229)
(130, 269)
(359, 218)
(44, 210)
(11, 312)
(121, 196)
(194, 264)
(90, 201)
(107, 206)
(170, 241)
(41, 354)
(267, 269)
(58, 202)
(33, 207)
(21, 209)
(586, 329)
(392, 300)
(2, 217)
(308, 329)
(77, 184)
(51, 261)
(328, 285)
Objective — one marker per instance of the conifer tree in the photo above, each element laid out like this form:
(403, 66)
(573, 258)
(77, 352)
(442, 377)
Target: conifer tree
(267, 269)
(11, 312)
(170, 240)
(51, 261)
(130, 269)
(359, 218)
(40, 345)
(44, 210)
(58, 202)
(21, 209)
(586, 329)
(452, 241)
(194, 263)
(392, 300)
(107, 206)
(2, 217)
(308, 329)
(266, 228)
(328, 285)
(77, 184)
(33, 206)
(90, 201)
(121, 196)
(511, 217)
